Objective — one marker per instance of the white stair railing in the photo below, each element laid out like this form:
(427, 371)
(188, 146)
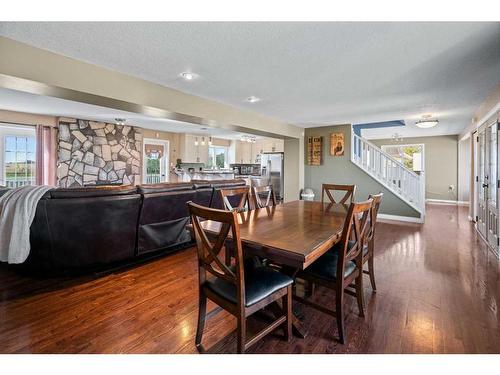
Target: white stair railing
(395, 176)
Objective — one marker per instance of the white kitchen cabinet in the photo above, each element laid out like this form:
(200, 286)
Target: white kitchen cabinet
(190, 153)
(243, 152)
(273, 145)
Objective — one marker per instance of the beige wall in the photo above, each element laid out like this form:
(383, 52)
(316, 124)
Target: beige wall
(27, 118)
(441, 164)
(340, 169)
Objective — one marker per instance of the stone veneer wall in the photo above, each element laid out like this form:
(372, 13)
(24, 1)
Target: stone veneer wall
(97, 153)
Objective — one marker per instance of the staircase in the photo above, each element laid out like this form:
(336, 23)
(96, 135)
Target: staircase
(403, 182)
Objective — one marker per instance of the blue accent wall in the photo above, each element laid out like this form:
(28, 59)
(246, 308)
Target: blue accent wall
(373, 125)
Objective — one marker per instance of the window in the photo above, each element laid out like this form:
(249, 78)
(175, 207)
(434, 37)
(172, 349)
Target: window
(19, 160)
(412, 156)
(217, 157)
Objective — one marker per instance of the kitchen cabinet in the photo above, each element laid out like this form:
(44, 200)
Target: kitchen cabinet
(243, 152)
(273, 145)
(247, 153)
(190, 153)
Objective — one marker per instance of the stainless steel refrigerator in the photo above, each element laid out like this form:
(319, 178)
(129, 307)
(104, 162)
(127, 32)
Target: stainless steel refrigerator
(272, 167)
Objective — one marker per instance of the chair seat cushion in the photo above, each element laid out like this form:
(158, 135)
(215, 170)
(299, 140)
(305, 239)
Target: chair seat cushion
(325, 267)
(260, 282)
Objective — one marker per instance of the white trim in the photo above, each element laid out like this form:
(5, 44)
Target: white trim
(445, 201)
(407, 219)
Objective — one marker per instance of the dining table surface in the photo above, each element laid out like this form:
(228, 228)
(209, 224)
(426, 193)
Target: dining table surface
(294, 234)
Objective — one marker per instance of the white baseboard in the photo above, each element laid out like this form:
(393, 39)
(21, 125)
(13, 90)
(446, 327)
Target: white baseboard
(444, 201)
(406, 219)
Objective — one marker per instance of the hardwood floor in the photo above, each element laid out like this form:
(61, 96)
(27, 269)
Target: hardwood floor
(438, 292)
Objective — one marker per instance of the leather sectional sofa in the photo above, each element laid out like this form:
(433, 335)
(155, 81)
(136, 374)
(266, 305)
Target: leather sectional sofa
(94, 226)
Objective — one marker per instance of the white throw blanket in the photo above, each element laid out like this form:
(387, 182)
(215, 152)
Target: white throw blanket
(17, 210)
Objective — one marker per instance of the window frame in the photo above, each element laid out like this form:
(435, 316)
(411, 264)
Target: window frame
(422, 145)
(18, 131)
(226, 156)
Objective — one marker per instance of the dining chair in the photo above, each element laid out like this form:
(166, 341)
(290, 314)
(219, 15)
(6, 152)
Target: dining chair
(241, 289)
(342, 265)
(347, 198)
(369, 245)
(235, 199)
(263, 196)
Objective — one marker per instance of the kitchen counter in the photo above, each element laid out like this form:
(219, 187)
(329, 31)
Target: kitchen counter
(184, 176)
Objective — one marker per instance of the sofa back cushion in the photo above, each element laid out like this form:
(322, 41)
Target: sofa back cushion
(92, 192)
(80, 232)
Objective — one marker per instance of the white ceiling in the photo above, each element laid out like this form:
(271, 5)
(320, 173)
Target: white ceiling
(308, 74)
(12, 100)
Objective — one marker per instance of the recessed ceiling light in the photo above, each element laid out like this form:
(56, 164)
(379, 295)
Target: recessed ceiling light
(252, 99)
(188, 76)
(120, 121)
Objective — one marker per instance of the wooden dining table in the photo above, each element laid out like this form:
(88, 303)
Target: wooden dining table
(292, 234)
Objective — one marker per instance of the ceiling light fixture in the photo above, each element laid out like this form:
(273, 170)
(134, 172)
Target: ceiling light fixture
(248, 138)
(427, 122)
(188, 76)
(196, 141)
(203, 141)
(120, 121)
(252, 99)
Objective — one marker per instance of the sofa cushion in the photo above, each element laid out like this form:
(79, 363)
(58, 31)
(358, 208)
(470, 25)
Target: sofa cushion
(165, 187)
(92, 191)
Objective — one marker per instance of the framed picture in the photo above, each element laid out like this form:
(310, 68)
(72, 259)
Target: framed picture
(314, 150)
(337, 144)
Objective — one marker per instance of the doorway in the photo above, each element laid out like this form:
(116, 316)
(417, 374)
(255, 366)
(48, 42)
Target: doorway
(155, 161)
(487, 183)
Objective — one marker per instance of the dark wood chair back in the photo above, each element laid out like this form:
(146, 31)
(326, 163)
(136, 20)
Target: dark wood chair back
(329, 189)
(242, 203)
(377, 199)
(209, 253)
(264, 196)
(354, 235)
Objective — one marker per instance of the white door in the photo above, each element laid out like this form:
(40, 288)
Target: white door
(492, 221)
(155, 161)
(483, 183)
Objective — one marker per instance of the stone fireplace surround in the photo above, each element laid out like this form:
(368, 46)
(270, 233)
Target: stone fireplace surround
(98, 153)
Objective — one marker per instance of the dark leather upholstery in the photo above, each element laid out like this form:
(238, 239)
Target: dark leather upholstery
(216, 199)
(163, 220)
(260, 282)
(81, 232)
(165, 187)
(89, 192)
(81, 227)
(325, 267)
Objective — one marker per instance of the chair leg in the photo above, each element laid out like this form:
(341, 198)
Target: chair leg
(371, 272)
(359, 293)
(287, 311)
(339, 311)
(242, 328)
(202, 309)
